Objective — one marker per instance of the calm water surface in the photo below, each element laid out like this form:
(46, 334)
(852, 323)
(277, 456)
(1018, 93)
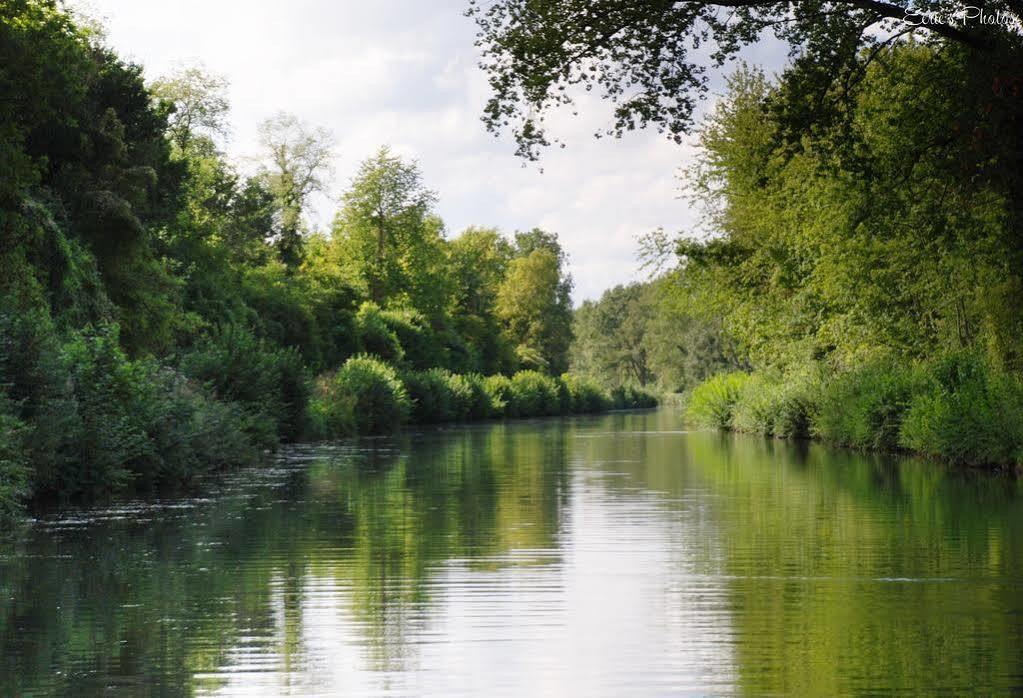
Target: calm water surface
(613, 555)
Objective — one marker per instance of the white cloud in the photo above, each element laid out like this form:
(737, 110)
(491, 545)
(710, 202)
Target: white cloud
(404, 73)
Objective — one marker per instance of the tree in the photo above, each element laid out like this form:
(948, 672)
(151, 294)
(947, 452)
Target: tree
(389, 237)
(478, 260)
(645, 333)
(199, 106)
(614, 331)
(534, 303)
(650, 59)
(299, 164)
(898, 236)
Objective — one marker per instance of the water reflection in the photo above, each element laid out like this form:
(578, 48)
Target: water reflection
(592, 556)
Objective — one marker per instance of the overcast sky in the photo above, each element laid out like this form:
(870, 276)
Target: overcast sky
(403, 73)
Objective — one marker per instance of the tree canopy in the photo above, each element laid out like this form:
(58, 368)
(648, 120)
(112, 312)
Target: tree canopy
(651, 59)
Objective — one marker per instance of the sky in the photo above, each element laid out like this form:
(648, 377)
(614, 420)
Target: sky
(403, 73)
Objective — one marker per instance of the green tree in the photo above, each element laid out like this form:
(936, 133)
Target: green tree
(478, 260)
(389, 238)
(650, 61)
(199, 106)
(299, 163)
(534, 303)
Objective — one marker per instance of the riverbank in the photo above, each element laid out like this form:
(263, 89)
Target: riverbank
(111, 425)
(960, 407)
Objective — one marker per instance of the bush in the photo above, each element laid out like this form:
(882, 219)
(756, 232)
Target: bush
(864, 407)
(440, 396)
(534, 394)
(331, 411)
(376, 337)
(430, 394)
(966, 411)
(713, 401)
(380, 403)
(420, 346)
(585, 396)
(35, 378)
(481, 403)
(269, 382)
(757, 405)
(627, 397)
(14, 476)
(775, 405)
(135, 421)
(499, 391)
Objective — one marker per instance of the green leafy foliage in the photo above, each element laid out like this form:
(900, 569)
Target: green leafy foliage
(534, 394)
(713, 401)
(380, 402)
(648, 335)
(628, 397)
(968, 411)
(586, 395)
(269, 381)
(778, 405)
(14, 467)
(863, 407)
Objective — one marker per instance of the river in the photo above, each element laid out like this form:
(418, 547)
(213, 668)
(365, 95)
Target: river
(592, 556)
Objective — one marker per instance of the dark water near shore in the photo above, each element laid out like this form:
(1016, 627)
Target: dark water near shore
(612, 555)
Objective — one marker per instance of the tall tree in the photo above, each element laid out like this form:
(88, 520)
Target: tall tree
(534, 302)
(389, 237)
(199, 106)
(478, 260)
(299, 163)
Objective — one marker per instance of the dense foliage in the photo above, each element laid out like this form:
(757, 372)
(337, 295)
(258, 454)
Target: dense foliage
(957, 407)
(650, 59)
(645, 335)
(368, 396)
(859, 225)
(163, 315)
(852, 263)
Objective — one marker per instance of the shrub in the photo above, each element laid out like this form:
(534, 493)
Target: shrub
(966, 411)
(440, 396)
(376, 337)
(864, 407)
(499, 391)
(190, 433)
(757, 405)
(35, 378)
(430, 394)
(712, 402)
(269, 382)
(626, 397)
(585, 395)
(481, 403)
(420, 346)
(14, 478)
(331, 411)
(534, 394)
(135, 421)
(379, 400)
(777, 405)
(461, 395)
